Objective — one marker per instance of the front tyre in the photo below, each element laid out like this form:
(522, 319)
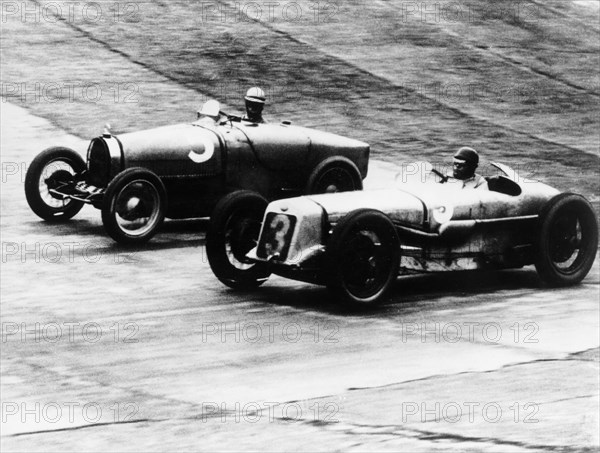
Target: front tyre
(336, 174)
(363, 257)
(232, 232)
(567, 240)
(53, 169)
(134, 206)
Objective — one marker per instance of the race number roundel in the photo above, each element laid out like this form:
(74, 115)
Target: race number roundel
(209, 150)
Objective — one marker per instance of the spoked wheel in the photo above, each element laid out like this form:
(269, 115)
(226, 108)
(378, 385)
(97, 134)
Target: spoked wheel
(567, 241)
(233, 231)
(134, 206)
(363, 256)
(339, 175)
(53, 169)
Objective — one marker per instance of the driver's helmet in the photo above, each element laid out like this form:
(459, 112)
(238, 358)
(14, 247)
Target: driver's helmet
(210, 108)
(469, 155)
(255, 94)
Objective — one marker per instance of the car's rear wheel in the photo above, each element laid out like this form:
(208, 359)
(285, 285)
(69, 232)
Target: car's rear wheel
(232, 232)
(334, 175)
(363, 257)
(567, 241)
(52, 169)
(134, 206)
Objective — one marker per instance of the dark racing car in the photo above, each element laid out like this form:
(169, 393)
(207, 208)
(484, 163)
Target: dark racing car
(139, 178)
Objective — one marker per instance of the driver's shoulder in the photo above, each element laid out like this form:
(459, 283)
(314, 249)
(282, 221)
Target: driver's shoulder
(480, 181)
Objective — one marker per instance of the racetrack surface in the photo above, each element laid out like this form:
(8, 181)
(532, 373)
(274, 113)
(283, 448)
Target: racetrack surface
(144, 350)
(112, 349)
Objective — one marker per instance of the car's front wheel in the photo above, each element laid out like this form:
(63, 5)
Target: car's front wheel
(567, 240)
(53, 169)
(134, 206)
(363, 257)
(232, 232)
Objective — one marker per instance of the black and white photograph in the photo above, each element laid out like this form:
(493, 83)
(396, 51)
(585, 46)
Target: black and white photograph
(280, 226)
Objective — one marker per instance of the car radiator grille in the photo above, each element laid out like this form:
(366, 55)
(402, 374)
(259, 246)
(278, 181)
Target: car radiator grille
(98, 163)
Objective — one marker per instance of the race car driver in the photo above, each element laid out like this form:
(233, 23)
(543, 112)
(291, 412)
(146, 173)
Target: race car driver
(464, 163)
(255, 101)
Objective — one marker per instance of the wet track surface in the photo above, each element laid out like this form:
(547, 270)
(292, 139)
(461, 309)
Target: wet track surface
(143, 349)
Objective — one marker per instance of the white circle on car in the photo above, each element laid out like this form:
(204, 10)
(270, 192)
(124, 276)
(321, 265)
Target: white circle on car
(209, 150)
(443, 214)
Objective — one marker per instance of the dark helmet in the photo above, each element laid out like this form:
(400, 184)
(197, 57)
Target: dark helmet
(469, 155)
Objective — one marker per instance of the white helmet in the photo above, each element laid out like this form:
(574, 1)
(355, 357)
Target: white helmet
(210, 108)
(255, 94)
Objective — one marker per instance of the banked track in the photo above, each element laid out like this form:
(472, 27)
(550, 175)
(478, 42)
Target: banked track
(385, 83)
(446, 106)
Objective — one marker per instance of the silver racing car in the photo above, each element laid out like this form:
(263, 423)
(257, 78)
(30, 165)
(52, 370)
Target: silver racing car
(357, 243)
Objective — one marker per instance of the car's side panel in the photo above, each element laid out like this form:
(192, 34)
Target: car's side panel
(487, 229)
(293, 149)
(277, 147)
(476, 204)
(497, 244)
(243, 170)
(403, 208)
(180, 151)
(484, 204)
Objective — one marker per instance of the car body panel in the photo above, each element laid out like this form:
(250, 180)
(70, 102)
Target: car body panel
(441, 227)
(402, 203)
(166, 151)
(401, 206)
(277, 147)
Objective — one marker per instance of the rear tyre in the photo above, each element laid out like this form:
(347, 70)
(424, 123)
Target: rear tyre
(51, 169)
(334, 175)
(134, 206)
(232, 232)
(567, 241)
(363, 257)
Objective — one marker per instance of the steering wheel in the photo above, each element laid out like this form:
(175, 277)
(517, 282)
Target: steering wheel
(230, 118)
(443, 178)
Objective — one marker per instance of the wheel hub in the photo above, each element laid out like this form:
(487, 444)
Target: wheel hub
(565, 241)
(58, 179)
(242, 238)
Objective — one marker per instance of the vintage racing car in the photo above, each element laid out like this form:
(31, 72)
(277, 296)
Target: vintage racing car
(358, 243)
(182, 171)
